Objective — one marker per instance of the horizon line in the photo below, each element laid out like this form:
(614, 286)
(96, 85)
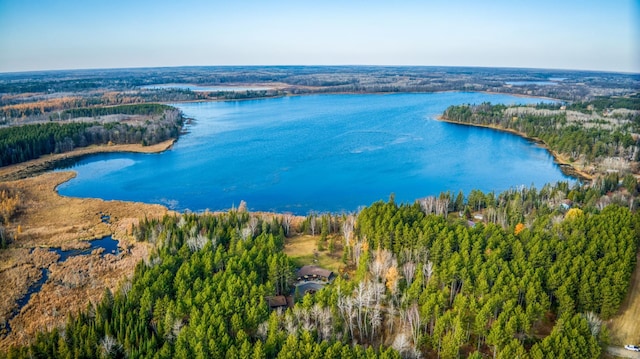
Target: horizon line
(314, 65)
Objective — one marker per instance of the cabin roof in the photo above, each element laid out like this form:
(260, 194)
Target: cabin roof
(277, 301)
(314, 270)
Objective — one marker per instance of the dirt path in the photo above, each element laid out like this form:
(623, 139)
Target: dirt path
(625, 327)
(623, 353)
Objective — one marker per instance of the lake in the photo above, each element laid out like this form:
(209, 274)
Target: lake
(198, 88)
(321, 153)
(525, 83)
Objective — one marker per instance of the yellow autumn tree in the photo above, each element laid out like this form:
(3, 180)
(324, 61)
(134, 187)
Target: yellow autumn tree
(519, 228)
(574, 213)
(9, 203)
(365, 245)
(392, 279)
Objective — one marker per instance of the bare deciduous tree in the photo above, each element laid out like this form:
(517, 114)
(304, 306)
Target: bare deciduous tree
(125, 288)
(348, 225)
(438, 206)
(263, 330)
(595, 323)
(413, 321)
(253, 224)
(197, 243)
(427, 271)
(312, 223)
(401, 344)
(290, 324)
(109, 346)
(408, 270)
(376, 321)
(287, 218)
(386, 259)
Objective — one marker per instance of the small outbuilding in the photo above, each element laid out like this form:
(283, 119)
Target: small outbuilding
(278, 301)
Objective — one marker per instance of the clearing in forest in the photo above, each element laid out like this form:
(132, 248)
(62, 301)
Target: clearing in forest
(303, 249)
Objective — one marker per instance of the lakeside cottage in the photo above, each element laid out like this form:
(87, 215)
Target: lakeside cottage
(315, 273)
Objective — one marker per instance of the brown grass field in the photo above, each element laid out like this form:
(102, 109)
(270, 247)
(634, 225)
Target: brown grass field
(302, 249)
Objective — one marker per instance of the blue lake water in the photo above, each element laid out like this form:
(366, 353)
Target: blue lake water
(198, 88)
(321, 153)
(525, 83)
(108, 244)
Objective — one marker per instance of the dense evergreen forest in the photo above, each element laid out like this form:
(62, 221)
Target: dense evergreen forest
(139, 109)
(27, 142)
(535, 285)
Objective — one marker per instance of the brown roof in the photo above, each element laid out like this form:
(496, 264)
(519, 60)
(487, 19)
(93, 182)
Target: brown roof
(311, 270)
(277, 301)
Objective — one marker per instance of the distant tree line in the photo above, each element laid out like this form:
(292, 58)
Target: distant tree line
(608, 102)
(576, 85)
(14, 109)
(147, 109)
(599, 104)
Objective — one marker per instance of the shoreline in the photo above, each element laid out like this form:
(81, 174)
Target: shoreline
(565, 166)
(362, 93)
(47, 162)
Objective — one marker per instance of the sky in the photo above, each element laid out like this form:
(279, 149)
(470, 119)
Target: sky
(601, 35)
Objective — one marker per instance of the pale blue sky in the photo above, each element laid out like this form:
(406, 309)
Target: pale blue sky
(69, 34)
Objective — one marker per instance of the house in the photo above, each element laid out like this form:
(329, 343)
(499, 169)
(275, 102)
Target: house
(566, 204)
(315, 273)
(278, 301)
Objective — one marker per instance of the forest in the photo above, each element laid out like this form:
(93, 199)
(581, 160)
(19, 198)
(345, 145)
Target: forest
(27, 142)
(537, 284)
